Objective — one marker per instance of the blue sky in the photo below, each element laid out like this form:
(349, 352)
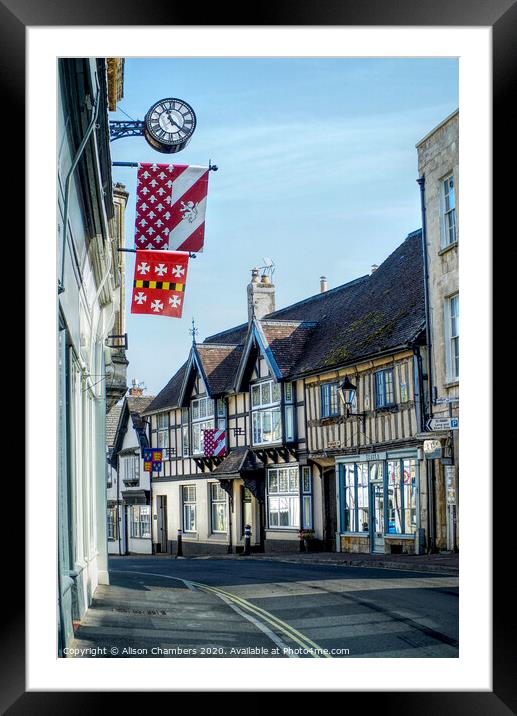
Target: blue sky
(317, 170)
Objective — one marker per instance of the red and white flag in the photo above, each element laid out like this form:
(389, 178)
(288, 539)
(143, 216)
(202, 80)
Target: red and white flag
(214, 442)
(159, 283)
(171, 207)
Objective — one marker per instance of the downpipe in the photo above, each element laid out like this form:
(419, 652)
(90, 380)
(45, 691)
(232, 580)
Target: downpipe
(430, 472)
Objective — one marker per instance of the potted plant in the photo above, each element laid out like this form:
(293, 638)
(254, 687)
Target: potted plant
(306, 535)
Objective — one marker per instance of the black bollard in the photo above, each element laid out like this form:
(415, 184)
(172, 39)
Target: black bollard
(179, 550)
(247, 540)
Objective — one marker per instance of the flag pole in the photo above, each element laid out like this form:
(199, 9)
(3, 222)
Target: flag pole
(133, 251)
(211, 167)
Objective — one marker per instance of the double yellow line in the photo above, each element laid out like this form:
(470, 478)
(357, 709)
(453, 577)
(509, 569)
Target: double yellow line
(314, 649)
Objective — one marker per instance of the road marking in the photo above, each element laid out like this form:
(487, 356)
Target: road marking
(282, 626)
(267, 631)
(287, 629)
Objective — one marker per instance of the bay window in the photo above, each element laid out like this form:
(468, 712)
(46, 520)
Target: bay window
(202, 411)
(283, 486)
(265, 412)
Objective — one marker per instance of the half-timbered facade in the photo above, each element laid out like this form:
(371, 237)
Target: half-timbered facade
(129, 485)
(293, 460)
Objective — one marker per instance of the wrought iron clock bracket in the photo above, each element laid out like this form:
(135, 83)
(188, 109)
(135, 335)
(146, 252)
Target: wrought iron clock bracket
(120, 129)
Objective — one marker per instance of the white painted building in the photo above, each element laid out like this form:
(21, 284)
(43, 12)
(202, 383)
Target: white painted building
(129, 488)
(88, 300)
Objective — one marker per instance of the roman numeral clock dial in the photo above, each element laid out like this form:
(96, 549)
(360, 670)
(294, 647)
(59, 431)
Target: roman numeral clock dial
(169, 124)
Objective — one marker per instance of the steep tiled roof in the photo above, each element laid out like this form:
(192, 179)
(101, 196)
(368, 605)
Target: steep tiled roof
(288, 341)
(367, 316)
(168, 396)
(231, 336)
(219, 363)
(112, 419)
(137, 405)
(372, 314)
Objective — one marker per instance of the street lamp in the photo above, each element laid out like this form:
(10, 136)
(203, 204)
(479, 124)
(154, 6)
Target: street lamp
(347, 392)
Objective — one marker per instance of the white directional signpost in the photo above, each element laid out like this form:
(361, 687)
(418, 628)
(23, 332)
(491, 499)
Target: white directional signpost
(439, 424)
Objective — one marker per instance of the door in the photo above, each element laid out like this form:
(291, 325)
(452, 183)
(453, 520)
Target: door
(377, 491)
(162, 523)
(330, 525)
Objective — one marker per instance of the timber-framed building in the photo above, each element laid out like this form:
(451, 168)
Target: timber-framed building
(295, 458)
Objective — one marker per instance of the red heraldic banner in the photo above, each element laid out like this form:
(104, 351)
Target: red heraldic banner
(214, 442)
(159, 284)
(171, 207)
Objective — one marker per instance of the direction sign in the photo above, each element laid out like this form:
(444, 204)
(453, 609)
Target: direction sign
(437, 424)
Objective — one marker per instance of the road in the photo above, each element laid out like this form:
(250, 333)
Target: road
(166, 607)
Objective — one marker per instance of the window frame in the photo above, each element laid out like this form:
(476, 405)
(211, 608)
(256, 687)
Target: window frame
(191, 504)
(446, 227)
(262, 409)
(329, 403)
(293, 498)
(385, 404)
(451, 357)
(214, 501)
(200, 423)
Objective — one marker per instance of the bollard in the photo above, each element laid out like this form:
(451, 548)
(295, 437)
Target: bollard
(247, 540)
(179, 550)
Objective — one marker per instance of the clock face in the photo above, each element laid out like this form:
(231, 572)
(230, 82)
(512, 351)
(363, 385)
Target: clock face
(169, 124)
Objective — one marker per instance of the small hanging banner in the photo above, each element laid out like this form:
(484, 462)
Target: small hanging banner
(159, 283)
(171, 207)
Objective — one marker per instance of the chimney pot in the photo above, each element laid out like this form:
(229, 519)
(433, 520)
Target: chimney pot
(373, 269)
(323, 284)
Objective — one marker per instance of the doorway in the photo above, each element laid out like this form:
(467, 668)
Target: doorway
(330, 506)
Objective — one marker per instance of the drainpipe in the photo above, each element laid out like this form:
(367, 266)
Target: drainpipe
(430, 473)
(68, 183)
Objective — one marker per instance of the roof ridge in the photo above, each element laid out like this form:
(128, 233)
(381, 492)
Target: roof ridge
(318, 295)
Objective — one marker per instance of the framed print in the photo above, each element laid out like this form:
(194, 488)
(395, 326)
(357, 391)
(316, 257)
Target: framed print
(382, 495)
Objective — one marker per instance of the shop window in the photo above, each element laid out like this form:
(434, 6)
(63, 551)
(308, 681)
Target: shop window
(401, 496)
(355, 485)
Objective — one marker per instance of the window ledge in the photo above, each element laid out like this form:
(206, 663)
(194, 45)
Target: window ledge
(448, 248)
(452, 384)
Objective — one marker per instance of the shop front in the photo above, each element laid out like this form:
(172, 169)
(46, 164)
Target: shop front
(378, 498)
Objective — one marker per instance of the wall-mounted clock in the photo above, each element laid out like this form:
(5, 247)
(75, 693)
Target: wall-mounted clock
(169, 124)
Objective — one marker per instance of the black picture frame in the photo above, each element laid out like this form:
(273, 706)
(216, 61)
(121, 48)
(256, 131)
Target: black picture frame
(501, 16)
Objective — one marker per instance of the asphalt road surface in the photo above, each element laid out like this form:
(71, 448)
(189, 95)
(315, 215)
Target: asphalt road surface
(236, 608)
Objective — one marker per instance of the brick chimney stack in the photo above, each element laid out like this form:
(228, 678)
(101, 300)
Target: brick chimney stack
(137, 389)
(261, 295)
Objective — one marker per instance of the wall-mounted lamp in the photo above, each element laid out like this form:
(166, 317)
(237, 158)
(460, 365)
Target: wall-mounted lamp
(347, 392)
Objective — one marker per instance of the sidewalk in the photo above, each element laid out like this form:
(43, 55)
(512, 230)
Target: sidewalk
(443, 563)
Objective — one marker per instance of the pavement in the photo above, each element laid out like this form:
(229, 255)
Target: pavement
(444, 563)
(265, 606)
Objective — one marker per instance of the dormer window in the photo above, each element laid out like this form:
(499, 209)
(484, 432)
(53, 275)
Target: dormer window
(265, 412)
(202, 410)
